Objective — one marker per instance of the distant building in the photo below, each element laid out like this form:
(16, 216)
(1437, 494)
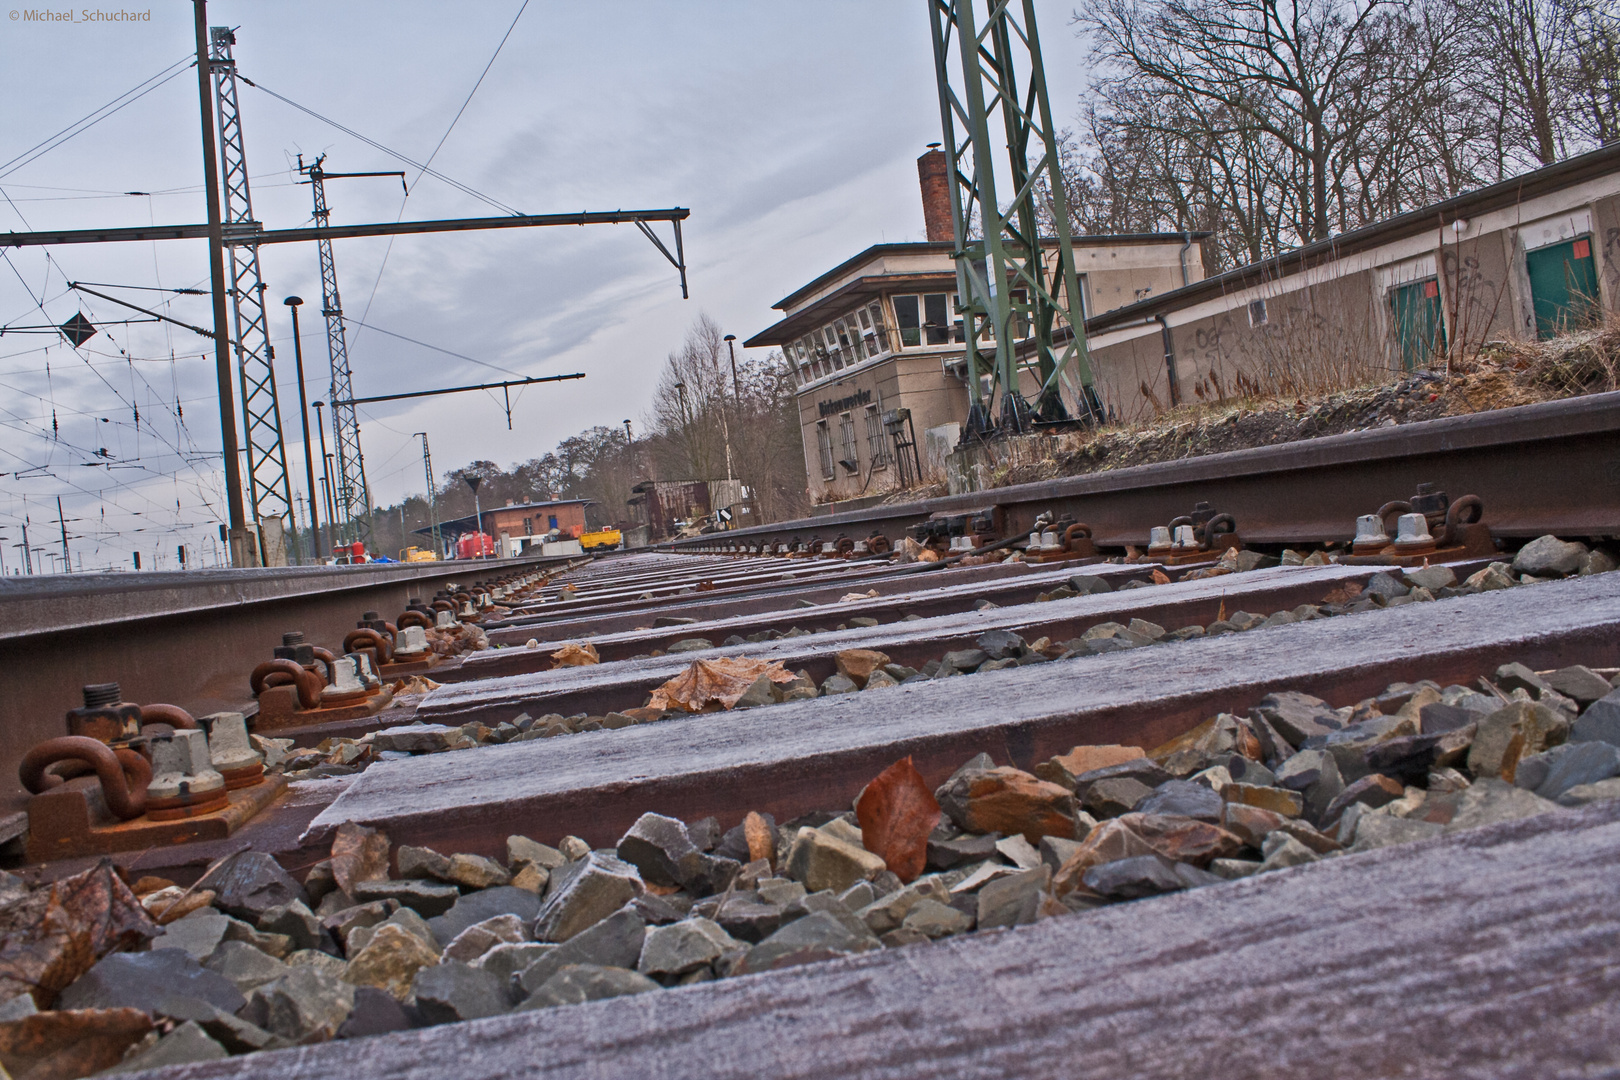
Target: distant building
(878, 336)
(527, 524)
(1519, 260)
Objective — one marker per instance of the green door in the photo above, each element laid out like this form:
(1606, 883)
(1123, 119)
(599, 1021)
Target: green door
(1563, 286)
(1420, 330)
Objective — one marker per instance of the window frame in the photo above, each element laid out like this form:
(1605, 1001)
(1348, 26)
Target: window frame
(877, 439)
(824, 451)
(847, 440)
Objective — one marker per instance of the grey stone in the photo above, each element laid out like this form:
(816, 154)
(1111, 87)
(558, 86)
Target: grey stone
(1183, 797)
(298, 924)
(821, 860)
(481, 937)
(325, 963)
(404, 918)
(673, 620)
(818, 936)
(935, 920)
(245, 966)
(1591, 793)
(749, 920)
(182, 1046)
(964, 659)
(661, 849)
(507, 962)
(1012, 900)
(1144, 770)
(17, 1008)
(691, 644)
(1088, 585)
(1000, 644)
(1297, 717)
(427, 898)
(945, 854)
(1386, 585)
(416, 738)
(615, 941)
(453, 991)
(839, 684)
(1055, 851)
(343, 922)
(375, 1012)
(1432, 578)
(1548, 556)
(1134, 878)
(520, 850)
(198, 934)
(1115, 795)
(1600, 722)
(475, 907)
(762, 691)
(1554, 771)
(1489, 800)
(1511, 677)
(1440, 718)
(579, 983)
(250, 883)
(682, 947)
(1282, 851)
(238, 1036)
(899, 672)
(780, 891)
(167, 982)
(1382, 830)
(305, 1006)
(1232, 869)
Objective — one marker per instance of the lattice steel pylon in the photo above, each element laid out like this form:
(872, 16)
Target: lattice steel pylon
(353, 493)
(269, 486)
(1005, 275)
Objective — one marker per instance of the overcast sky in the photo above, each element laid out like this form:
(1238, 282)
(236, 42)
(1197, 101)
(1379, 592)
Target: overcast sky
(789, 131)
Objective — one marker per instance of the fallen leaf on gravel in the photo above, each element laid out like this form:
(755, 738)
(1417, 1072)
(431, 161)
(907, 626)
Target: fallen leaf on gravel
(1160, 577)
(358, 854)
(720, 681)
(54, 935)
(851, 597)
(68, 1044)
(580, 654)
(761, 839)
(416, 684)
(896, 813)
(1343, 594)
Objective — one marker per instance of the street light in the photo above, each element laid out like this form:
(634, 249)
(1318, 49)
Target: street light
(736, 388)
(315, 537)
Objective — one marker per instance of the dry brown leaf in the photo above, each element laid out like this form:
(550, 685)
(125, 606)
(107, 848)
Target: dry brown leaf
(1221, 614)
(56, 934)
(1160, 577)
(575, 654)
(896, 813)
(761, 841)
(358, 854)
(73, 1042)
(721, 681)
(1343, 594)
(851, 597)
(416, 684)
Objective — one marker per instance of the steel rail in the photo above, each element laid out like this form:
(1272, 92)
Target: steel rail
(1550, 467)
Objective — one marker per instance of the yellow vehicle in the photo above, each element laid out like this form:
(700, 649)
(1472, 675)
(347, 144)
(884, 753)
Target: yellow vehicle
(417, 554)
(601, 540)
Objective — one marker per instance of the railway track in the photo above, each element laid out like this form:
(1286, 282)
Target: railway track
(1330, 773)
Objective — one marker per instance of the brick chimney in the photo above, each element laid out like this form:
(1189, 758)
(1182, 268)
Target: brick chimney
(933, 173)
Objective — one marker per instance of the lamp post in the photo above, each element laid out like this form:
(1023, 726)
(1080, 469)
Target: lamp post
(736, 387)
(315, 538)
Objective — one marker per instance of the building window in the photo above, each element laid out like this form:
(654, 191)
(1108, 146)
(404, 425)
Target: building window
(528, 526)
(824, 450)
(938, 319)
(1257, 313)
(877, 442)
(907, 320)
(879, 341)
(846, 433)
(553, 521)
